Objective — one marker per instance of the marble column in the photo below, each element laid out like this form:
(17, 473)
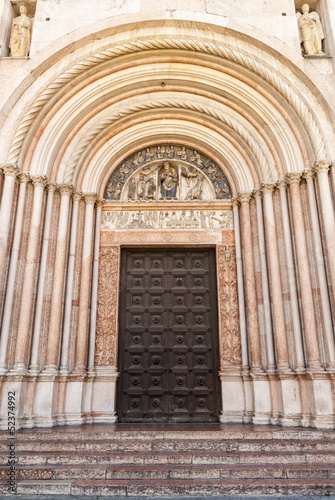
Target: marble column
(265, 284)
(69, 284)
(249, 272)
(275, 280)
(324, 296)
(313, 355)
(94, 303)
(11, 172)
(7, 315)
(321, 168)
(23, 333)
(240, 287)
(299, 352)
(85, 285)
(58, 284)
(41, 280)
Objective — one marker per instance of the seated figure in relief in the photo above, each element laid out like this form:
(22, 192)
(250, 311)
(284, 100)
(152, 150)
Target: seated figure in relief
(310, 31)
(20, 35)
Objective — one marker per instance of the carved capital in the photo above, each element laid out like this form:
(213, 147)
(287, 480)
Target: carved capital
(293, 177)
(244, 197)
(39, 180)
(77, 196)
(235, 202)
(281, 184)
(24, 177)
(308, 173)
(52, 186)
(322, 166)
(10, 170)
(257, 194)
(65, 189)
(90, 198)
(100, 203)
(268, 188)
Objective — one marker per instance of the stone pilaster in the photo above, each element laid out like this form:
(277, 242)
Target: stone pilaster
(85, 286)
(21, 353)
(312, 345)
(251, 301)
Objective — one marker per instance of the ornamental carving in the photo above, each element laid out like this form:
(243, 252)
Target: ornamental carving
(167, 172)
(167, 219)
(229, 331)
(107, 313)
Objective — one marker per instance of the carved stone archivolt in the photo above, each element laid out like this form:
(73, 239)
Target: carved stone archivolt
(167, 219)
(229, 331)
(167, 172)
(108, 304)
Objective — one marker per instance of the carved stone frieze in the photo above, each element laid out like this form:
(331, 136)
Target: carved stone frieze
(167, 172)
(229, 331)
(108, 300)
(168, 219)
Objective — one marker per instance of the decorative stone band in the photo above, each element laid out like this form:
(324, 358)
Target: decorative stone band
(167, 219)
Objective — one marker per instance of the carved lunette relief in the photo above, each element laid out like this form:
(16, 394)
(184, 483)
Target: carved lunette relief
(167, 172)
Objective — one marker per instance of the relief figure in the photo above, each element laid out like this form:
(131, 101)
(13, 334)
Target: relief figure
(168, 180)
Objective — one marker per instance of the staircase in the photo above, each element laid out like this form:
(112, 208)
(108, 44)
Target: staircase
(171, 460)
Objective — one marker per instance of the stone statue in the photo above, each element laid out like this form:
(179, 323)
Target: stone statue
(310, 31)
(20, 35)
(168, 180)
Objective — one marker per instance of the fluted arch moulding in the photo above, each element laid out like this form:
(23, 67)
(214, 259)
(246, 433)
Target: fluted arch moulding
(249, 66)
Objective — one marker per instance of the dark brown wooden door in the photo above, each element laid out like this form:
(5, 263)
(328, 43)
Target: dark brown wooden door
(168, 347)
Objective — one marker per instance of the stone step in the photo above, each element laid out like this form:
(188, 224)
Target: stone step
(175, 488)
(171, 445)
(114, 434)
(196, 458)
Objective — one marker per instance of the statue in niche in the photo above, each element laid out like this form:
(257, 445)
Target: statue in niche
(310, 31)
(168, 181)
(20, 37)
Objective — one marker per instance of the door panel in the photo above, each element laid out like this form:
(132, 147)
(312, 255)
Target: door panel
(168, 348)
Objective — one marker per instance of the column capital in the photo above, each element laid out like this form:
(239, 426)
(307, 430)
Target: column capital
(52, 186)
(257, 193)
(281, 184)
(10, 170)
(308, 173)
(321, 166)
(244, 197)
(293, 177)
(39, 180)
(100, 203)
(90, 198)
(65, 189)
(235, 202)
(77, 196)
(267, 187)
(24, 177)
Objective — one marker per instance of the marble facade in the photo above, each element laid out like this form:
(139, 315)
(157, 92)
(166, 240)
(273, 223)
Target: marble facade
(201, 124)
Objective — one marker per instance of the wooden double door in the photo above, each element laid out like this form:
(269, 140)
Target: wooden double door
(168, 342)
